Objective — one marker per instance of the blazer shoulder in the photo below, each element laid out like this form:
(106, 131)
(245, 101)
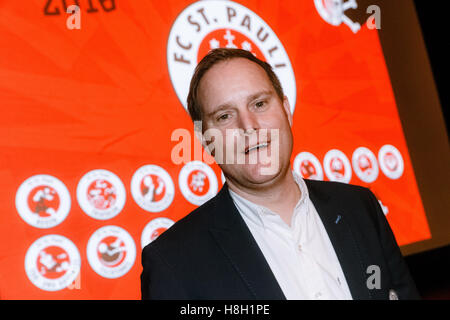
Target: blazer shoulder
(333, 187)
(193, 228)
(348, 197)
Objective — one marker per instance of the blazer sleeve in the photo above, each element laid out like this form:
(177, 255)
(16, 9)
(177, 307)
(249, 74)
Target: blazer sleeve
(401, 278)
(158, 279)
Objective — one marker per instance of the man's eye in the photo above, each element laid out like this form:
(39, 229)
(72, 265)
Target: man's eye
(260, 104)
(223, 117)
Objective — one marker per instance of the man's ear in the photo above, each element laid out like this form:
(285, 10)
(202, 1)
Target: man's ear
(287, 109)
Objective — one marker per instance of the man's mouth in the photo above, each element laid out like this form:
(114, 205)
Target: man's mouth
(256, 147)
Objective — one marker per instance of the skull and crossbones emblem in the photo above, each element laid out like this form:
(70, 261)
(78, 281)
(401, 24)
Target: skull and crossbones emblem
(333, 12)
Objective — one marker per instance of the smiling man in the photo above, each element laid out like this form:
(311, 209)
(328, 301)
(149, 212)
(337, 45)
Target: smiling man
(269, 234)
(239, 107)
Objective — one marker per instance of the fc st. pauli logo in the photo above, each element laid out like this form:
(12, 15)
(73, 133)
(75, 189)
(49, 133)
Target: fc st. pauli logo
(206, 25)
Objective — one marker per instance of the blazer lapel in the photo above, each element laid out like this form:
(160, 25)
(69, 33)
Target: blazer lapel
(339, 231)
(236, 241)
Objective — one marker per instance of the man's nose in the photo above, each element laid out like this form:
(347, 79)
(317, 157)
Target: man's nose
(248, 122)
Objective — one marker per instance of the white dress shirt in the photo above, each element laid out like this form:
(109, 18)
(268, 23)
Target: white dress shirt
(301, 256)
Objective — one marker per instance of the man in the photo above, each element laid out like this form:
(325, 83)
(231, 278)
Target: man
(269, 234)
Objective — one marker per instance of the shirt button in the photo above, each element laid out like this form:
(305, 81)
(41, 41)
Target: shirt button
(299, 247)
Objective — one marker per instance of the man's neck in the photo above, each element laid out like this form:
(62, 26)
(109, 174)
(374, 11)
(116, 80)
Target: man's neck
(280, 198)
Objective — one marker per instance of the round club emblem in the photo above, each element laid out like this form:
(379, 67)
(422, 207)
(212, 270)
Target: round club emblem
(391, 161)
(337, 166)
(365, 164)
(206, 25)
(308, 166)
(43, 201)
(154, 229)
(111, 252)
(198, 182)
(52, 262)
(101, 194)
(333, 12)
(152, 188)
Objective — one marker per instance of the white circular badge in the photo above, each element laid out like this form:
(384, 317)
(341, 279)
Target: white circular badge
(391, 161)
(206, 25)
(365, 164)
(337, 166)
(101, 194)
(198, 182)
(111, 252)
(333, 12)
(152, 188)
(52, 262)
(308, 166)
(43, 201)
(154, 229)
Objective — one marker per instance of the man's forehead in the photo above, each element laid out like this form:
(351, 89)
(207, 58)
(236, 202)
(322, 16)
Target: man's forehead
(216, 74)
(234, 63)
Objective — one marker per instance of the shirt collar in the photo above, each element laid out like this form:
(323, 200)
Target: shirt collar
(255, 213)
(303, 189)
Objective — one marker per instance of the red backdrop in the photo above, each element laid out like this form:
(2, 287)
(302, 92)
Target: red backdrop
(103, 98)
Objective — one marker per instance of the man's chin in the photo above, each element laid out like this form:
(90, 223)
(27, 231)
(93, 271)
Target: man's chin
(255, 175)
(260, 174)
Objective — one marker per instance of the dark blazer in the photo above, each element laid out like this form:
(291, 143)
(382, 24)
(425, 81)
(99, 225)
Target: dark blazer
(211, 253)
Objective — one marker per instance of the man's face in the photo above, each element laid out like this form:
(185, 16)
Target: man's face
(239, 101)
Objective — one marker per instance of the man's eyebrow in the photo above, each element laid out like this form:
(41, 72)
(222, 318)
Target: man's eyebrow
(259, 94)
(219, 108)
(250, 98)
